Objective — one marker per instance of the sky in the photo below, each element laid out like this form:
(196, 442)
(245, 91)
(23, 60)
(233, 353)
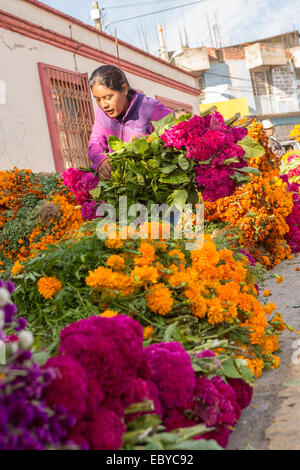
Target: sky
(207, 23)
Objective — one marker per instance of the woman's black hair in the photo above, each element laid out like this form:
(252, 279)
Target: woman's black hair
(112, 77)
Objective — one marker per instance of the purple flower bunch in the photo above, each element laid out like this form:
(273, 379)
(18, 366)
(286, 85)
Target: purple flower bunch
(293, 219)
(213, 145)
(80, 183)
(199, 400)
(26, 423)
(102, 370)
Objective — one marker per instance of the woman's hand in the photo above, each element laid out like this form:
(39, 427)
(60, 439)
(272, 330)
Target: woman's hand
(104, 170)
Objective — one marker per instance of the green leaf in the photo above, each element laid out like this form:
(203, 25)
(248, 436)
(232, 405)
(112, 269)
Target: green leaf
(230, 370)
(168, 169)
(153, 163)
(115, 143)
(140, 146)
(252, 148)
(178, 178)
(164, 123)
(170, 332)
(249, 169)
(184, 117)
(140, 180)
(179, 198)
(183, 162)
(95, 193)
(201, 444)
(231, 160)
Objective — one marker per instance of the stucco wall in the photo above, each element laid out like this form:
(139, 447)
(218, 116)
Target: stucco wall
(230, 80)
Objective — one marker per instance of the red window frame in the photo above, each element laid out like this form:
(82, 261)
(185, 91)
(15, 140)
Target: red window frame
(46, 73)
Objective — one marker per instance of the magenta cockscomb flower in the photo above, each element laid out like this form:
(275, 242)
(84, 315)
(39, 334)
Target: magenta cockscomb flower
(242, 390)
(69, 388)
(214, 145)
(109, 349)
(106, 430)
(172, 373)
(88, 210)
(80, 183)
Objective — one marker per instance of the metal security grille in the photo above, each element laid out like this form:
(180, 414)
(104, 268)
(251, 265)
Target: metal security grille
(262, 83)
(70, 115)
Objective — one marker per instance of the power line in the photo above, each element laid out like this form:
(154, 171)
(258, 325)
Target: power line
(159, 11)
(133, 5)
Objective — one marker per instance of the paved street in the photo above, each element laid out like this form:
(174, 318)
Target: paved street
(271, 422)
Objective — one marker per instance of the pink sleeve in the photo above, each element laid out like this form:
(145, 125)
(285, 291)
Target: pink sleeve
(159, 112)
(98, 145)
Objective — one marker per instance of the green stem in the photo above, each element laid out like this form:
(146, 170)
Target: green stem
(221, 333)
(137, 313)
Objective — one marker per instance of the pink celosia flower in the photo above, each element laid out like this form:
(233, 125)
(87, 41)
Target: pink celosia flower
(172, 373)
(109, 349)
(69, 388)
(106, 431)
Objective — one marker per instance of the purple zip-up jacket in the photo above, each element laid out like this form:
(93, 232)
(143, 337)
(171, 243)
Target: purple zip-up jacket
(136, 122)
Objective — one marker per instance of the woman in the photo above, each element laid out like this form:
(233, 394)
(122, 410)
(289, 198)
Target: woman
(122, 112)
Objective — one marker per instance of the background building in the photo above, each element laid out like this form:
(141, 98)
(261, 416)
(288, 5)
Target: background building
(265, 72)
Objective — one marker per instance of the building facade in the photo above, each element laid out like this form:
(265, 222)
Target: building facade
(265, 72)
(46, 108)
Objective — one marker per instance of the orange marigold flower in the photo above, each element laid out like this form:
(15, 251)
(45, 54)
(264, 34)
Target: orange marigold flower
(159, 299)
(108, 314)
(116, 262)
(101, 277)
(147, 255)
(215, 312)
(270, 308)
(275, 361)
(113, 244)
(48, 286)
(267, 292)
(17, 268)
(145, 274)
(148, 332)
(177, 253)
(256, 366)
(279, 279)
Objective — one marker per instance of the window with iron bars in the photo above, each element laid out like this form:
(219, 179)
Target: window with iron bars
(70, 115)
(262, 83)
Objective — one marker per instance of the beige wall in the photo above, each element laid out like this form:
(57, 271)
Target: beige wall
(24, 134)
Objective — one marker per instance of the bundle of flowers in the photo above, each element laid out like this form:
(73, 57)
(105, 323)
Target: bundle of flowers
(26, 421)
(187, 295)
(295, 133)
(35, 210)
(293, 219)
(80, 183)
(106, 376)
(259, 208)
(290, 166)
(217, 150)
(173, 163)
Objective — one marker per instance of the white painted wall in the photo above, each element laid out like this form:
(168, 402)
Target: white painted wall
(24, 134)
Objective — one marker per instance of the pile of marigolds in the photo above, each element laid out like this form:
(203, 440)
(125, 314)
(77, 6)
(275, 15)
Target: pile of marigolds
(35, 211)
(259, 209)
(189, 295)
